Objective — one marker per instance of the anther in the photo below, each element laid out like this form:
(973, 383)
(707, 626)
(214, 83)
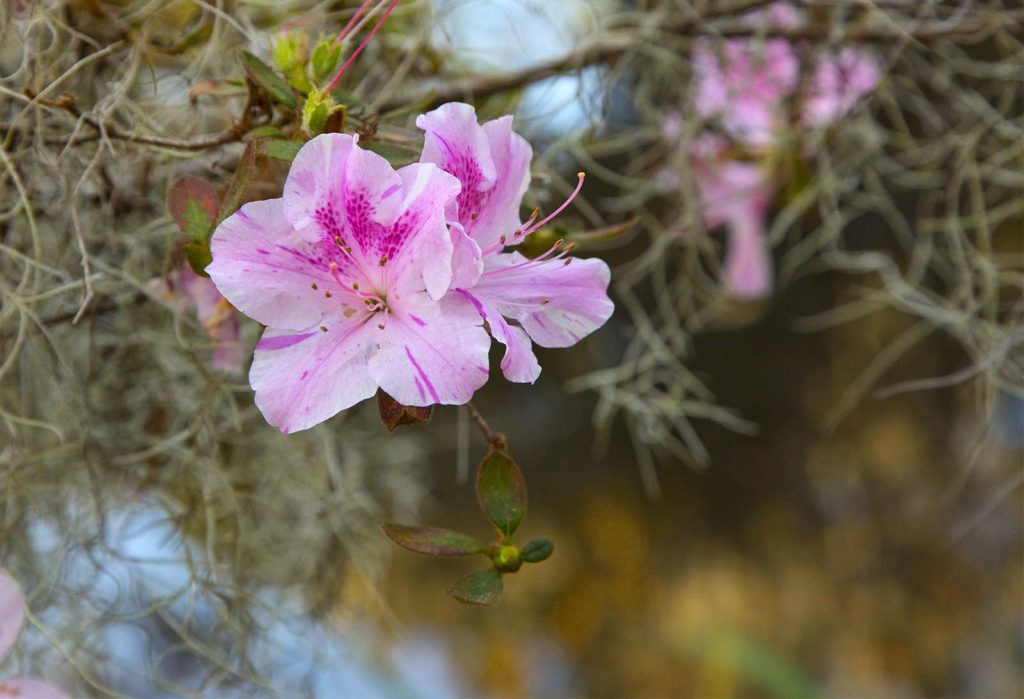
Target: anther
(314, 287)
(323, 328)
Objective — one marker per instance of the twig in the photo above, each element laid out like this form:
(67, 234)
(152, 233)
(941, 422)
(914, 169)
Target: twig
(600, 52)
(495, 439)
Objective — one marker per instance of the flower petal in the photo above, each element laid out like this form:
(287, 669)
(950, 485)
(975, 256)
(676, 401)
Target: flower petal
(726, 186)
(30, 688)
(417, 249)
(12, 612)
(435, 352)
(519, 364)
(467, 260)
(491, 161)
(557, 303)
(304, 378)
(335, 189)
(512, 155)
(748, 264)
(262, 266)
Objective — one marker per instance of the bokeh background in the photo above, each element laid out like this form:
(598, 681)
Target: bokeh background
(816, 492)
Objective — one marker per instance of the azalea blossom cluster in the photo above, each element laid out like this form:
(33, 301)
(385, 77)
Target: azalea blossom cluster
(369, 278)
(752, 94)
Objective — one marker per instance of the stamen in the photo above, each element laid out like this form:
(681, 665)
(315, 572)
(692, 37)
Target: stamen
(359, 49)
(352, 21)
(354, 288)
(497, 247)
(533, 217)
(560, 209)
(541, 259)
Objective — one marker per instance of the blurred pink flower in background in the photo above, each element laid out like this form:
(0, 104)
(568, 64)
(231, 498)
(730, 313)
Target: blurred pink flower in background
(746, 88)
(751, 89)
(218, 318)
(839, 81)
(735, 194)
(12, 619)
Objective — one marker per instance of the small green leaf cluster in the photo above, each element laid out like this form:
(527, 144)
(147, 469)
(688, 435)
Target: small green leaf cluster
(502, 495)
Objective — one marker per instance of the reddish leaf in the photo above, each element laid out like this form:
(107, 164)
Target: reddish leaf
(432, 541)
(192, 203)
(393, 413)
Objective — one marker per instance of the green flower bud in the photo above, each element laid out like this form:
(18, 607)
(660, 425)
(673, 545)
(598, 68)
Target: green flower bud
(315, 111)
(507, 559)
(325, 58)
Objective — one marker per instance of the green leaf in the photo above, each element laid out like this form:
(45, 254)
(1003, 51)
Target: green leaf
(232, 198)
(266, 132)
(432, 541)
(483, 588)
(281, 149)
(537, 550)
(198, 256)
(315, 111)
(289, 50)
(325, 57)
(264, 76)
(501, 491)
(192, 203)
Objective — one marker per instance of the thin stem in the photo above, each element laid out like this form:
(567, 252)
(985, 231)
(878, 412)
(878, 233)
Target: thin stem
(495, 439)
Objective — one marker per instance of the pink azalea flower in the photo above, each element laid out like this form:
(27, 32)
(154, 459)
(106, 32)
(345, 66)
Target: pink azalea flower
(218, 318)
(348, 271)
(545, 300)
(747, 84)
(745, 88)
(12, 619)
(735, 194)
(839, 81)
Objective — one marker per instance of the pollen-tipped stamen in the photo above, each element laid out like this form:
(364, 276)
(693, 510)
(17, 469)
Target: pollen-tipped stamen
(540, 224)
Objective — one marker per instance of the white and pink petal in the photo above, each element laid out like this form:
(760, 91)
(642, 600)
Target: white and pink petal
(433, 352)
(262, 266)
(337, 190)
(556, 303)
(519, 364)
(304, 378)
(416, 250)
